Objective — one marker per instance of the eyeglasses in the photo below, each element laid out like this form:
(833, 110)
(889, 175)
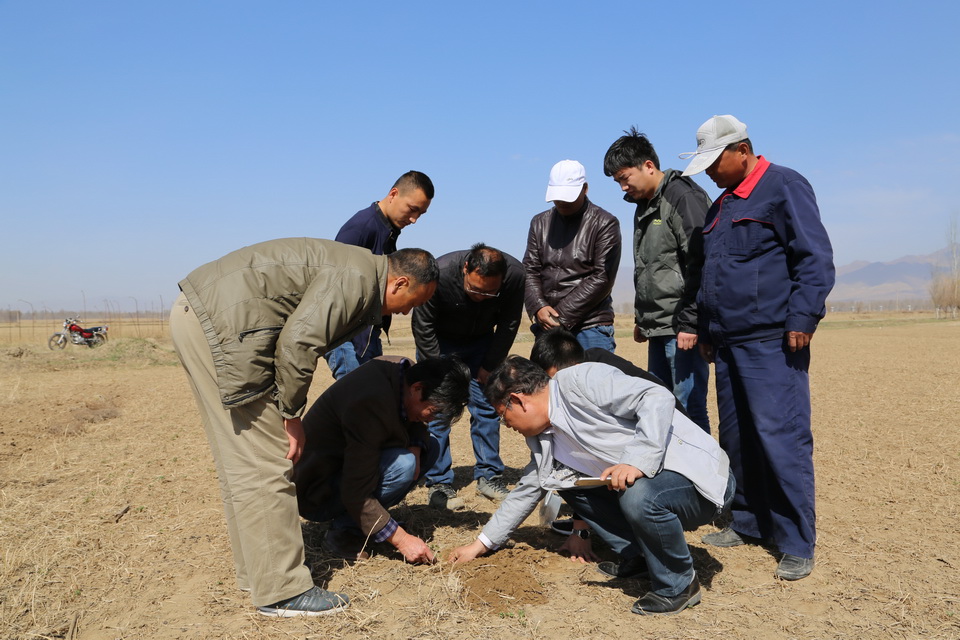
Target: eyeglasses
(470, 289)
(502, 416)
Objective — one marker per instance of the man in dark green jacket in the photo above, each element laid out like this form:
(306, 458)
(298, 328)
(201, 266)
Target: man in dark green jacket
(668, 254)
(249, 329)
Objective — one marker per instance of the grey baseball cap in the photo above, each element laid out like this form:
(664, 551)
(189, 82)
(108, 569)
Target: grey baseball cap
(713, 136)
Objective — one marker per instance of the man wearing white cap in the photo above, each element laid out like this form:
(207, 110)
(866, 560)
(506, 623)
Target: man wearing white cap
(571, 261)
(768, 267)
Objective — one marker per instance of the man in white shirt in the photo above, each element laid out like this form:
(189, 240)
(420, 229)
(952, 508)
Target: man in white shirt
(665, 473)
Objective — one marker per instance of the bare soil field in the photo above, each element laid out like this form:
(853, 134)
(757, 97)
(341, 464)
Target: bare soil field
(111, 526)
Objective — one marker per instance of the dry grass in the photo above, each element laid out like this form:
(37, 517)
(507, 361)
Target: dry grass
(110, 523)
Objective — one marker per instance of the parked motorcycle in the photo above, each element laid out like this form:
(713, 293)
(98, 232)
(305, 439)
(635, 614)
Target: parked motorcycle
(73, 332)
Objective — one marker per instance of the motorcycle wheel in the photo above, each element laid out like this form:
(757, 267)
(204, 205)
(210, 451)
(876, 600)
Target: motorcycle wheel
(57, 341)
(95, 341)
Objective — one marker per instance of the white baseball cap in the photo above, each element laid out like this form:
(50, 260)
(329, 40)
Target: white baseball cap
(567, 178)
(713, 136)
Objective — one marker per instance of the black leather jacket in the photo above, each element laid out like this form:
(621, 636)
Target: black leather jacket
(571, 263)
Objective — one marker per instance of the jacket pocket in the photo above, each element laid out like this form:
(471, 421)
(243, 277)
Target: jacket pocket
(748, 230)
(251, 373)
(263, 333)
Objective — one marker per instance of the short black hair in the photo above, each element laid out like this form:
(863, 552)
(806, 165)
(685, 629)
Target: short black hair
(556, 348)
(446, 385)
(630, 150)
(515, 375)
(733, 145)
(417, 264)
(486, 261)
(415, 180)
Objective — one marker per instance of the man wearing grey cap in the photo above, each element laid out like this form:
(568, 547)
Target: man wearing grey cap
(571, 261)
(768, 267)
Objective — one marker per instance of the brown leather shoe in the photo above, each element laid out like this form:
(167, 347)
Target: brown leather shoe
(343, 544)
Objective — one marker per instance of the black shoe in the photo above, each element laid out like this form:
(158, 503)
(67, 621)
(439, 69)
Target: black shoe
(793, 567)
(313, 602)
(635, 567)
(650, 604)
(724, 538)
(345, 545)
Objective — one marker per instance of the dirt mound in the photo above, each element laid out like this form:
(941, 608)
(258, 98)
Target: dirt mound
(504, 582)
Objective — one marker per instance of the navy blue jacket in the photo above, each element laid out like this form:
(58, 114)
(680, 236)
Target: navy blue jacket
(369, 228)
(768, 263)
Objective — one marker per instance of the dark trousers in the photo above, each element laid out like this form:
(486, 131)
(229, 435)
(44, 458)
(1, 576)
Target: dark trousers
(763, 396)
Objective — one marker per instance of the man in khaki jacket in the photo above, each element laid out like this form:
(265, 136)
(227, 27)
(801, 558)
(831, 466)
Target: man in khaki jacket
(249, 329)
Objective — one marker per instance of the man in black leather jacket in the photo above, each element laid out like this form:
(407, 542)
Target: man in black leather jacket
(571, 261)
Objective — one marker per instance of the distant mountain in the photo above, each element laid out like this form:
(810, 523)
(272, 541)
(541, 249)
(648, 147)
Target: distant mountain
(906, 278)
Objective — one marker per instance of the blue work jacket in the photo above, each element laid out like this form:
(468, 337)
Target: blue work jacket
(768, 263)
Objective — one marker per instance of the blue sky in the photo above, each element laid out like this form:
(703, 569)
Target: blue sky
(139, 140)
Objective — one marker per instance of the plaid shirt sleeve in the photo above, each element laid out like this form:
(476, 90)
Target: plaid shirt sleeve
(388, 530)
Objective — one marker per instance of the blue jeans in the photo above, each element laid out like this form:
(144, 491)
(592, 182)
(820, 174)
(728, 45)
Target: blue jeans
(344, 359)
(683, 371)
(600, 337)
(650, 518)
(397, 478)
(484, 421)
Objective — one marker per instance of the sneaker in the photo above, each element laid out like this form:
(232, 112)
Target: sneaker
(443, 496)
(564, 527)
(494, 488)
(793, 567)
(343, 544)
(314, 602)
(724, 538)
(635, 567)
(651, 604)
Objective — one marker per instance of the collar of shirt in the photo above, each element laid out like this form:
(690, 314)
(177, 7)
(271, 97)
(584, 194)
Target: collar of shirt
(745, 188)
(574, 216)
(394, 231)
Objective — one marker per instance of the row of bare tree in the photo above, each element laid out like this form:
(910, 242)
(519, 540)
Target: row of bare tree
(945, 285)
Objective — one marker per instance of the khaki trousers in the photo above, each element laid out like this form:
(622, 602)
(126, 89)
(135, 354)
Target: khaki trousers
(259, 499)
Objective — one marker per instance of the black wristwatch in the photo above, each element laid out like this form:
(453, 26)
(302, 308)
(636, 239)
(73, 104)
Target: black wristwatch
(583, 534)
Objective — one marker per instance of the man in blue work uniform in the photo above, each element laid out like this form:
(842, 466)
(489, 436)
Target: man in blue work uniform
(377, 228)
(768, 267)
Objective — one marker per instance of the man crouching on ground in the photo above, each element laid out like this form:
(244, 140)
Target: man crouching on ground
(666, 474)
(367, 446)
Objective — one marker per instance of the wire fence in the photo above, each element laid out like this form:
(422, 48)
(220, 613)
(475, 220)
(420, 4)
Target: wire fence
(26, 329)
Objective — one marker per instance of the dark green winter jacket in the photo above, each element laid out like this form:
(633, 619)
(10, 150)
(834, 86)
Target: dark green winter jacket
(668, 256)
